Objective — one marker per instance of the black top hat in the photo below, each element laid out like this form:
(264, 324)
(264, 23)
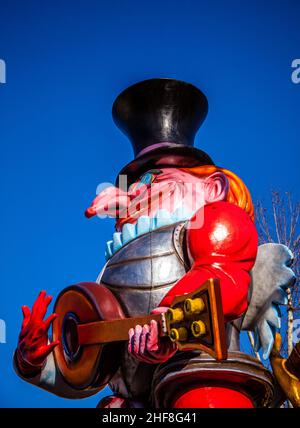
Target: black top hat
(161, 118)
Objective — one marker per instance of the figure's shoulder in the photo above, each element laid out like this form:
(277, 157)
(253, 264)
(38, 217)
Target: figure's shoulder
(220, 212)
(228, 210)
(222, 226)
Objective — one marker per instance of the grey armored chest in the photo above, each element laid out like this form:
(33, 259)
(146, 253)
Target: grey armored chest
(143, 271)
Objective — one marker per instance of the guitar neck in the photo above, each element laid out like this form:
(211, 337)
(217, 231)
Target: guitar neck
(100, 332)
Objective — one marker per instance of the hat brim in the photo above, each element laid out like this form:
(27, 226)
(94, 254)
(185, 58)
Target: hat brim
(163, 157)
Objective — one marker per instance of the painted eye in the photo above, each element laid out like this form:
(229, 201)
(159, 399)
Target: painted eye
(147, 178)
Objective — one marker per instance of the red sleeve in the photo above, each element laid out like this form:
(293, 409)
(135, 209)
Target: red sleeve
(222, 243)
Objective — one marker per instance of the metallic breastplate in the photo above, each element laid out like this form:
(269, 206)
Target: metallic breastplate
(144, 270)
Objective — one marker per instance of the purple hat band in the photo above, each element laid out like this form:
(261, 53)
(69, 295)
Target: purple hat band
(156, 146)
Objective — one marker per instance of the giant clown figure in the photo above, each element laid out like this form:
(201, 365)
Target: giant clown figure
(180, 221)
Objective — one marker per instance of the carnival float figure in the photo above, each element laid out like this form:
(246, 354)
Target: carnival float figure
(184, 275)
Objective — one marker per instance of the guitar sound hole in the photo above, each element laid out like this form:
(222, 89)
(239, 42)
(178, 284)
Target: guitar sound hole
(70, 336)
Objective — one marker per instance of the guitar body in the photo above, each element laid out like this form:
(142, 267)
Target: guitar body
(91, 327)
(90, 366)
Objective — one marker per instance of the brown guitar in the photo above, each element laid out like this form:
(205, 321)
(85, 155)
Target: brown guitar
(91, 326)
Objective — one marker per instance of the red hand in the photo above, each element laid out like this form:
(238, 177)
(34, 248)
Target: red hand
(33, 347)
(146, 344)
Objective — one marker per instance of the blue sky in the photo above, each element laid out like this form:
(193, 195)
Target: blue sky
(66, 62)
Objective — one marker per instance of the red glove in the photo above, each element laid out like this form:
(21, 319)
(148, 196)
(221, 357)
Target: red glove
(33, 347)
(224, 247)
(146, 344)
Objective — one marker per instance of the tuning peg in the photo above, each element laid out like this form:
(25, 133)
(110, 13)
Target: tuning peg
(194, 306)
(178, 334)
(175, 315)
(198, 328)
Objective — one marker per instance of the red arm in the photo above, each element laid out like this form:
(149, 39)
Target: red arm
(224, 247)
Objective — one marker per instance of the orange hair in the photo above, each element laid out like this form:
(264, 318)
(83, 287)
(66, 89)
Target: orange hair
(238, 193)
